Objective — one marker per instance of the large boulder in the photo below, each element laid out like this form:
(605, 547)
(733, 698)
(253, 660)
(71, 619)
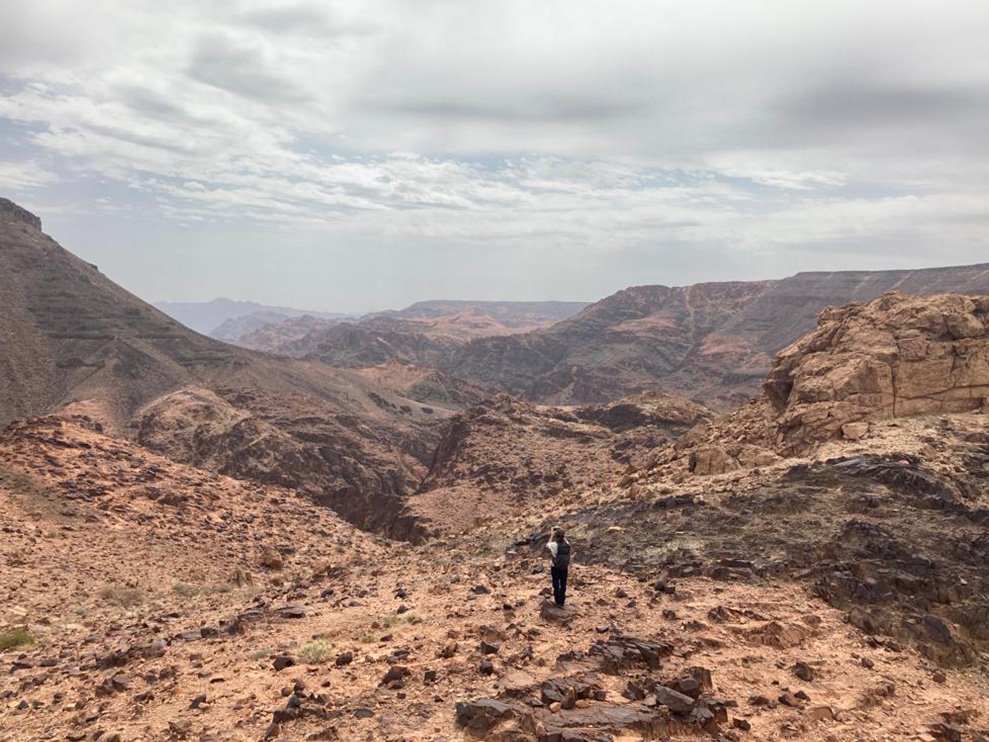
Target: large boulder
(895, 356)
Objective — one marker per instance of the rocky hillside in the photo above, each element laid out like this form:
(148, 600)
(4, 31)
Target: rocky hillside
(505, 454)
(427, 385)
(642, 338)
(148, 601)
(74, 339)
(231, 330)
(710, 342)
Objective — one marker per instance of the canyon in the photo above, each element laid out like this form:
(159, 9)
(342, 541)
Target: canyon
(777, 493)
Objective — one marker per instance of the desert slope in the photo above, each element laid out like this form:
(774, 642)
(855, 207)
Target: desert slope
(166, 603)
(72, 338)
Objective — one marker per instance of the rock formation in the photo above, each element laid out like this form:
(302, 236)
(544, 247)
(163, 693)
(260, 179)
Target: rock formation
(895, 356)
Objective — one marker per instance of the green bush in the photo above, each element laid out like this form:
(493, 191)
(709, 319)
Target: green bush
(126, 597)
(315, 652)
(18, 637)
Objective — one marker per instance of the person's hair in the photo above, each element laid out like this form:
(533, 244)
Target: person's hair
(558, 533)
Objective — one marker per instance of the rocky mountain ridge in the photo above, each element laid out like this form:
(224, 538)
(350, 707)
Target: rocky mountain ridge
(75, 340)
(227, 319)
(710, 342)
(713, 342)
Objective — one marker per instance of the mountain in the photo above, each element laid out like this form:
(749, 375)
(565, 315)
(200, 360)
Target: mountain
(447, 324)
(395, 346)
(809, 566)
(207, 316)
(231, 330)
(74, 340)
(712, 342)
(509, 313)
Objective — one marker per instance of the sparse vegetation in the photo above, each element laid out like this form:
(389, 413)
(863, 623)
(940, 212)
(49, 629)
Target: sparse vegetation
(315, 652)
(19, 637)
(189, 590)
(125, 597)
(260, 654)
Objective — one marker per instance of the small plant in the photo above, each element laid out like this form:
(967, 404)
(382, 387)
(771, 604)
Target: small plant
(260, 654)
(367, 639)
(19, 637)
(125, 597)
(189, 590)
(185, 589)
(315, 652)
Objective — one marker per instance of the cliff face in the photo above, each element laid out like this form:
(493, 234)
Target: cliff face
(642, 338)
(74, 339)
(896, 356)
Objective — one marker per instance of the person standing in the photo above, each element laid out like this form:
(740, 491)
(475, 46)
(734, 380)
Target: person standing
(559, 549)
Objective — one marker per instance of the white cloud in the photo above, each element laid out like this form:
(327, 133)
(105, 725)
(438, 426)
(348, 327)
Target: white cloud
(26, 175)
(766, 130)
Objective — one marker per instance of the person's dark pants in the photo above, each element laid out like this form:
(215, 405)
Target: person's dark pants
(559, 584)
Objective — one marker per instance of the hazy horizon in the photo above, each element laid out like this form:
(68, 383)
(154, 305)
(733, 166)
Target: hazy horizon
(354, 157)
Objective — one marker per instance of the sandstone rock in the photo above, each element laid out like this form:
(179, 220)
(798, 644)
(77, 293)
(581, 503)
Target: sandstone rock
(803, 671)
(344, 658)
(271, 559)
(676, 702)
(550, 611)
(855, 431)
(395, 672)
(283, 661)
(897, 355)
(480, 717)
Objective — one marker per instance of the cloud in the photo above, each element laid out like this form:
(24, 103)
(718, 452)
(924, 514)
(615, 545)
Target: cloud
(243, 70)
(781, 134)
(28, 175)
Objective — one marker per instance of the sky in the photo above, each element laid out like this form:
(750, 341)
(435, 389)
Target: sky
(354, 156)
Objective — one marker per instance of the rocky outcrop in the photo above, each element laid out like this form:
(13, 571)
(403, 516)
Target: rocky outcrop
(895, 356)
(11, 212)
(576, 706)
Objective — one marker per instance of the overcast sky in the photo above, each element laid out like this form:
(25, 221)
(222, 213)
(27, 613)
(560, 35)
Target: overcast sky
(367, 154)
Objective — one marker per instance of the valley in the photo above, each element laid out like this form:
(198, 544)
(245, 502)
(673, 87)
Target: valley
(777, 494)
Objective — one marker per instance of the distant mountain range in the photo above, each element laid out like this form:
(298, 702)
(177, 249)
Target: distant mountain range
(207, 317)
(712, 342)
